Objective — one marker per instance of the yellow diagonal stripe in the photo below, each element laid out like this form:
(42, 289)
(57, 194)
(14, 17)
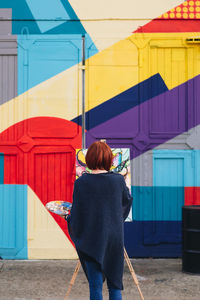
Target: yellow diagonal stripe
(46, 240)
(108, 73)
(137, 58)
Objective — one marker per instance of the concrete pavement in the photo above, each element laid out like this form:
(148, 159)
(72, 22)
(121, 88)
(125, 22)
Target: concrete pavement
(159, 279)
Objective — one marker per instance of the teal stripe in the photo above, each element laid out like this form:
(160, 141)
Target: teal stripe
(157, 203)
(13, 220)
(1, 168)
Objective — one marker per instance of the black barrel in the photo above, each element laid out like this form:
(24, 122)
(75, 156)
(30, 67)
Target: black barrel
(191, 239)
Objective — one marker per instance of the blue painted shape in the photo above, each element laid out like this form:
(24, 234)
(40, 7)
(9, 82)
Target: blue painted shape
(161, 232)
(141, 241)
(48, 54)
(13, 220)
(196, 164)
(172, 171)
(173, 168)
(71, 26)
(160, 203)
(126, 100)
(26, 21)
(53, 57)
(1, 168)
(21, 12)
(45, 10)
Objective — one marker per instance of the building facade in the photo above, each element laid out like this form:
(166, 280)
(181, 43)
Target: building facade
(142, 91)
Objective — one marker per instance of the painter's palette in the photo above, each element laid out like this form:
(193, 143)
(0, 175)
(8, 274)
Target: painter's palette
(58, 207)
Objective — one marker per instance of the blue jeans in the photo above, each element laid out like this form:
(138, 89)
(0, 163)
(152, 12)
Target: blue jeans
(95, 278)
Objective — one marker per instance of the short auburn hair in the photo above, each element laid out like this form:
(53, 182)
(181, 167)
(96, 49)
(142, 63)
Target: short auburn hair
(99, 156)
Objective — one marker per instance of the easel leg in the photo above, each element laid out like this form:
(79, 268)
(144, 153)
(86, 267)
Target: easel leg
(132, 273)
(129, 266)
(73, 279)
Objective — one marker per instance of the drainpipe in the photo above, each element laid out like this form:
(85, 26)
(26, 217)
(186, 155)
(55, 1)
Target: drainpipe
(83, 91)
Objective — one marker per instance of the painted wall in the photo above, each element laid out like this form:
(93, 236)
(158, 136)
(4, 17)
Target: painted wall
(142, 92)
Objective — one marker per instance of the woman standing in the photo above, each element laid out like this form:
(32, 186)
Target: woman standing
(101, 203)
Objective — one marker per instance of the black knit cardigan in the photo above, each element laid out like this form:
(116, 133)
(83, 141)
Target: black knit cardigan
(101, 203)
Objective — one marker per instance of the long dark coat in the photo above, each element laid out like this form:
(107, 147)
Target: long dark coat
(101, 203)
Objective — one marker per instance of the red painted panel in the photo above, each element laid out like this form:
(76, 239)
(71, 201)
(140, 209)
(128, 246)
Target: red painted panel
(10, 160)
(183, 18)
(170, 26)
(40, 152)
(53, 175)
(192, 195)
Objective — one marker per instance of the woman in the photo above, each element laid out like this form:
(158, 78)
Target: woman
(101, 203)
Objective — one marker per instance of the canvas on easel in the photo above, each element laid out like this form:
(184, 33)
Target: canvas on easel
(121, 164)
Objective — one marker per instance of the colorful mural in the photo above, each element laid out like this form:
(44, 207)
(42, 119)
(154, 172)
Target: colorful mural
(142, 92)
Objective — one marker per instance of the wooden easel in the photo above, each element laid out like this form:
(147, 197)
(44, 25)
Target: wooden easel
(77, 268)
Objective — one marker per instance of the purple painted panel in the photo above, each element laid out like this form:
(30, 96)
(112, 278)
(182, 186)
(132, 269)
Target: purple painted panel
(125, 125)
(161, 118)
(168, 116)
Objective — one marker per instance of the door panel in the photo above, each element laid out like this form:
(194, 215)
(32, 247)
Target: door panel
(50, 55)
(45, 161)
(13, 220)
(172, 170)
